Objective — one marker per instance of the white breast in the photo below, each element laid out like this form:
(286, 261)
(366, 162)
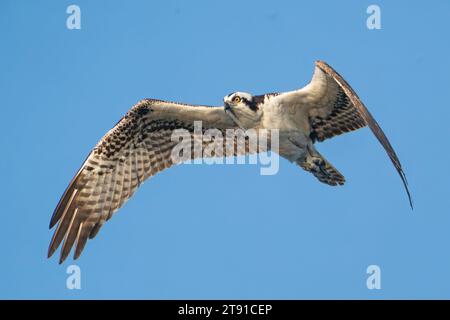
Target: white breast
(283, 117)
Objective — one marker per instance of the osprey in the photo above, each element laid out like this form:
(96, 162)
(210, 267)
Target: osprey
(140, 144)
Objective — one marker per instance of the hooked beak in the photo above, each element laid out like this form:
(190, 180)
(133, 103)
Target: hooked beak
(231, 114)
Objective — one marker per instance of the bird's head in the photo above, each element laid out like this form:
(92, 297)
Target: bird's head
(243, 108)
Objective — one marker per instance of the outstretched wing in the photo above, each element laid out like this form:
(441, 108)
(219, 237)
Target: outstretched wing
(330, 107)
(138, 147)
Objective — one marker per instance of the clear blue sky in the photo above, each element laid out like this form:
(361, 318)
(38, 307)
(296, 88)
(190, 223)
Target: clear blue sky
(226, 231)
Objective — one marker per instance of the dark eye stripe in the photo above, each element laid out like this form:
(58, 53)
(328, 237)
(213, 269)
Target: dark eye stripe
(250, 104)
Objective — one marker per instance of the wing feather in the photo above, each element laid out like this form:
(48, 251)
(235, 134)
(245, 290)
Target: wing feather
(369, 120)
(138, 147)
(328, 107)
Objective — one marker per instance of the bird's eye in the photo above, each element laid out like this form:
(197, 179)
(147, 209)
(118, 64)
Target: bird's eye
(237, 99)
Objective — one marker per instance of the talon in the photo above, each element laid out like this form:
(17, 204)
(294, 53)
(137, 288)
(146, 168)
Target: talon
(318, 165)
(319, 162)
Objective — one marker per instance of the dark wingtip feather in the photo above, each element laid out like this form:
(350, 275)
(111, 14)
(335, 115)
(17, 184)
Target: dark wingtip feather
(405, 184)
(82, 239)
(50, 252)
(52, 223)
(70, 238)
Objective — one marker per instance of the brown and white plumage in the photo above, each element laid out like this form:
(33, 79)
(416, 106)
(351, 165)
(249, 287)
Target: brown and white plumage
(140, 145)
(328, 107)
(361, 112)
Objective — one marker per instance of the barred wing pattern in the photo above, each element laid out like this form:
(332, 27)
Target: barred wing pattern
(344, 117)
(138, 147)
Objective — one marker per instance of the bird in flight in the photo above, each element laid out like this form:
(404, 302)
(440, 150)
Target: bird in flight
(140, 144)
